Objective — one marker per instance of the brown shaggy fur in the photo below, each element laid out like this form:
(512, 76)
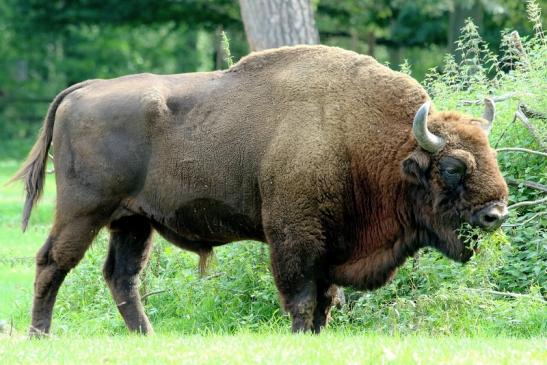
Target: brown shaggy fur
(308, 148)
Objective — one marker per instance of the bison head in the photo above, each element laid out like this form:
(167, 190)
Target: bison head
(454, 179)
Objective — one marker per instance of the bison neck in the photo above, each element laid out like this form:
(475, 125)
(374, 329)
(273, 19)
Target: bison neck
(381, 241)
(381, 233)
(373, 270)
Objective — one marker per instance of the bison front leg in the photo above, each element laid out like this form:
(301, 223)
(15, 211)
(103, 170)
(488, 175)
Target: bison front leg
(327, 297)
(301, 306)
(294, 259)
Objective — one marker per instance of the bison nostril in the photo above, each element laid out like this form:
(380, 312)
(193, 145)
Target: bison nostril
(490, 218)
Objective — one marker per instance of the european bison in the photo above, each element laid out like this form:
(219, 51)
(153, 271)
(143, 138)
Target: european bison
(339, 163)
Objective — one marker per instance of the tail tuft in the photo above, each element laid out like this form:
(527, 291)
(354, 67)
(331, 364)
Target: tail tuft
(205, 256)
(33, 173)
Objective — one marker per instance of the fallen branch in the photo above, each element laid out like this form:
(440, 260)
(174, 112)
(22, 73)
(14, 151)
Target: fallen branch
(528, 184)
(212, 276)
(528, 203)
(164, 290)
(506, 294)
(153, 293)
(532, 113)
(526, 221)
(531, 128)
(496, 99)
(520, 149)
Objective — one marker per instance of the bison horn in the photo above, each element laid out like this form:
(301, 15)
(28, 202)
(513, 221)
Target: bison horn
(427, 140)
(489, 114)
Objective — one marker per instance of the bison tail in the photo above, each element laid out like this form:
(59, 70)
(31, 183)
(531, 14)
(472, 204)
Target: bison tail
(33, 170)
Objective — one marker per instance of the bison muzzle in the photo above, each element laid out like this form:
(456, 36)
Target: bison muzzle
(340, 164)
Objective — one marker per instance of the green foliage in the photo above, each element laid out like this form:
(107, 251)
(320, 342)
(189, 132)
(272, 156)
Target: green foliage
(534, 14)
(46, 46)
(44, 15)
(520, 72)
(225, 42)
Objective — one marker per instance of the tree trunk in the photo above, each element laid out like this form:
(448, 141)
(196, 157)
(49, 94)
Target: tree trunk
(276, 23)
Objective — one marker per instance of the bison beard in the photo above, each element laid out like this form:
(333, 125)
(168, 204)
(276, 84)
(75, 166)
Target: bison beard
(334, 160)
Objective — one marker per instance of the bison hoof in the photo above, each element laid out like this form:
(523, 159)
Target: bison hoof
(36, 333)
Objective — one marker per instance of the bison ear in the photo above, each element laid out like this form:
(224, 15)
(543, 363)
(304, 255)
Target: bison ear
(415, 168)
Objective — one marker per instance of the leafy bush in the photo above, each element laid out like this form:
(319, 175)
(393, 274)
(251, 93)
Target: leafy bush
(519, 76)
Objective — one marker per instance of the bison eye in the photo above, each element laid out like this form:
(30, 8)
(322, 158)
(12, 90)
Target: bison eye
(452, 171)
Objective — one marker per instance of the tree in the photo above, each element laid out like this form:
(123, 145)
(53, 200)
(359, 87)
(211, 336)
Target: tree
(276, 23)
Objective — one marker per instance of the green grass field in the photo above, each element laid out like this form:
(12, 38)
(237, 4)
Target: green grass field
(331, 348)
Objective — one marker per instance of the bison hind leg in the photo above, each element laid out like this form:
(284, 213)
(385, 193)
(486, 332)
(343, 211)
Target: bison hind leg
(128, 254)
(64, 248)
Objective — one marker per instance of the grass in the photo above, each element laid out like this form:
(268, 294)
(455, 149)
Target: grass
(329, 348)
